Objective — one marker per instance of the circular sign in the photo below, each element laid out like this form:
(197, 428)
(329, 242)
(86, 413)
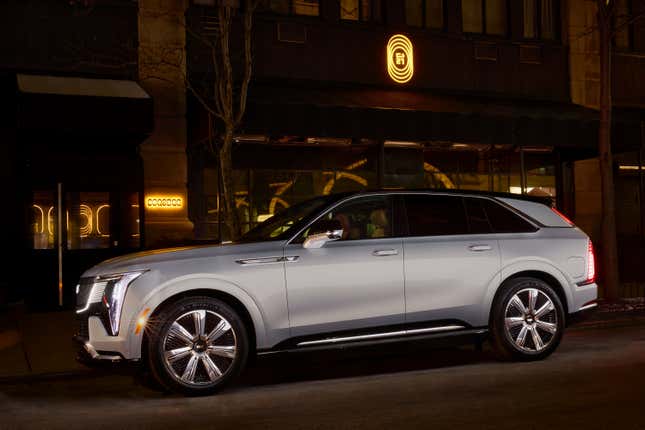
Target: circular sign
(400, 59)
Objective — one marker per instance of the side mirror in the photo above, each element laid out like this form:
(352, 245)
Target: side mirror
(324, 231)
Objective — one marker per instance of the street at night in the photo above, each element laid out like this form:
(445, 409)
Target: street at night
(595, 370)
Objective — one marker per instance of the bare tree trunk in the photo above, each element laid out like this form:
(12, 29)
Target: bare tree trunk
(225, 159)
(608, 246)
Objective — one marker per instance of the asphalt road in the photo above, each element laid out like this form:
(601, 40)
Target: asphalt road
(595, 380)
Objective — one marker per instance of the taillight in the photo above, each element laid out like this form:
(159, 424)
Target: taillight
(591, 264)
(561, 215)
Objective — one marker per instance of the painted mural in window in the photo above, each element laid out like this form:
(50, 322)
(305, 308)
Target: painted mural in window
(286, 175)
(87, 223)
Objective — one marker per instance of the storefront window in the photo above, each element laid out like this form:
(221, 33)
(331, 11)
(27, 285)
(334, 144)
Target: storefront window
(88, 220)
(540, 19)
(43, 220)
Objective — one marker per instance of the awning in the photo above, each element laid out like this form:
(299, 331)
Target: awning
(114, 107)
(420, 116)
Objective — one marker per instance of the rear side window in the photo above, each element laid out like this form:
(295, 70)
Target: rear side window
(477, 218)
(503, 220)
(435, 215)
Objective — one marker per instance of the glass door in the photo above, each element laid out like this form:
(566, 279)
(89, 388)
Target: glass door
(96, 225)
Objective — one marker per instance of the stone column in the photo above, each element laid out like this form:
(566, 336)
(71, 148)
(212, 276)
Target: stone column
(162, 66)
(584, 75)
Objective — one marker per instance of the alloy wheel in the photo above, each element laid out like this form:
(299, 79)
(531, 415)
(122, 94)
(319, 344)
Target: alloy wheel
(199, 347)
(531, 320)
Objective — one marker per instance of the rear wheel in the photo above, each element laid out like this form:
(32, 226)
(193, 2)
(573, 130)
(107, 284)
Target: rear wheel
(197, 345)
(527, 320)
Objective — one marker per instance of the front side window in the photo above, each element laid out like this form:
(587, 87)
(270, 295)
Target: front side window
(484, 16)
(287, 222)
(291, 7)
(435, 215)
(540, 19)
(424, 13)
(362, 218)
(360, 10)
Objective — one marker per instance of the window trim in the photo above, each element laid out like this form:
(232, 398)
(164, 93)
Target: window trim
(484, 33)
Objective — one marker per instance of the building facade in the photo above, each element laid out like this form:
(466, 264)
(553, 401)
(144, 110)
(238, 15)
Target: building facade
(496, 95)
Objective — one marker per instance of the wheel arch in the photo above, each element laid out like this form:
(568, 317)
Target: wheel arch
(232, 295)
(534, 269)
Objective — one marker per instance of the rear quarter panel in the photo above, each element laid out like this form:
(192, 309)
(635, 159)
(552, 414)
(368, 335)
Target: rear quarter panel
(559, 252)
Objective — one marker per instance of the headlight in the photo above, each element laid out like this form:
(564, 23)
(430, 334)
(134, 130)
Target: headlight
(108, 292)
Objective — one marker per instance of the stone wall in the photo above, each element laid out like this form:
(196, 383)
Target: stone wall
(161, 71)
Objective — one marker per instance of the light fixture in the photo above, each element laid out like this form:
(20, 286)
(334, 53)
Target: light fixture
(400, 59)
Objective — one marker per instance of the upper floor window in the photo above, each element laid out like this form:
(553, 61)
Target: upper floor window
(484, 16)
(622, 18)
(424, 13)
(292, 7)
(361, 10)
(540, 19)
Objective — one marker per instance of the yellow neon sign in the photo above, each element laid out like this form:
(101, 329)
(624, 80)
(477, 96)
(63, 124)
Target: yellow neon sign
(161, 202)
(400, 59)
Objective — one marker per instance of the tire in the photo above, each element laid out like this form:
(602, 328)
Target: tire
(188, 360)
(523, 332)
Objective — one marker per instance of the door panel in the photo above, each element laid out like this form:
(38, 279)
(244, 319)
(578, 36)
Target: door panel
(355, 282)
(447, 277)
(345, 285)
(449, 261)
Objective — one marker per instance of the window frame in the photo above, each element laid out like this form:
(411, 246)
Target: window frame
(537, 16)
(424, 23)
(484, 32)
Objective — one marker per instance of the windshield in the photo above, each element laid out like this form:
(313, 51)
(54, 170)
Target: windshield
(286, 223)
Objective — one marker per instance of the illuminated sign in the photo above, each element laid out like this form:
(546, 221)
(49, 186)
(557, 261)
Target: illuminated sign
(400, 59)
(164, 202)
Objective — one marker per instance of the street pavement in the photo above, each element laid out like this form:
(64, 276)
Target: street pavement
(596, 379)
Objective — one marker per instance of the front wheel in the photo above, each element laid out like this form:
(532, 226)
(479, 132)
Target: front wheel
(197, 345)
(527, 320)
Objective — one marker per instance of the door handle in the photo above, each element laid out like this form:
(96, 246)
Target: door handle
(479, 248)
(384, 252)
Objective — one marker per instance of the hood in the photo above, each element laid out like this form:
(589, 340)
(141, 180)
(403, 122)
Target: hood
(147, 259)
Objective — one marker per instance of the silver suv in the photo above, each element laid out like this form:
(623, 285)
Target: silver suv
(344, 270)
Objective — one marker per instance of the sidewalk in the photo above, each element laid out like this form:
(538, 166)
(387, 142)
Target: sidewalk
(39, 344)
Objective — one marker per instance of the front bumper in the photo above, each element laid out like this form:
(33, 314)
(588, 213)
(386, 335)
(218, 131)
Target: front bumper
(95, 344)
(88, 352)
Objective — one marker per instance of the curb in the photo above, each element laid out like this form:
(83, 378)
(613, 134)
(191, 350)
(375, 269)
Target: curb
(110, 369)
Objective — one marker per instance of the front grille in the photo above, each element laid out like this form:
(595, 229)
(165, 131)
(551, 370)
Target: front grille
(83, 327)
(89, 291)
(83, 291)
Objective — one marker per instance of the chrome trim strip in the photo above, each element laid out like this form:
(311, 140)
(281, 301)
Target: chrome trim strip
(96, 356)
(590, 306)
(259, 260)
(381, 335)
